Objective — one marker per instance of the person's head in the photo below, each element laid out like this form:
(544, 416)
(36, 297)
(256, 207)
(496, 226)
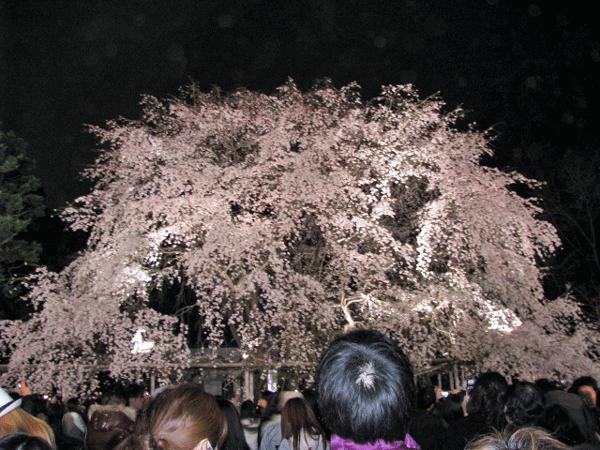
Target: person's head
(181, 417)
(487, 397)
(23, 441)
(55, 412)
(426, 397)
(72, 405)
(247, 410)
(587, 388)
(265, 398)
(297, 417)
(365, 388)
(524, 404)
(527, 438)
(272, 406)
(451, 407)
(559, 422)
(235, 440)
(584, 381)
(285, 396)
(136, 396)
(546, 385)
(20, 421)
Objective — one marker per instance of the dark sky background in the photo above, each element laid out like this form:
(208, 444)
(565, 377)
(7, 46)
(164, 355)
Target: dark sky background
(531, 70)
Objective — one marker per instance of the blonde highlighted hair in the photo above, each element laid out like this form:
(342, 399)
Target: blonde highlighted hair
(179, 418)
(527, 438)
(20, 421)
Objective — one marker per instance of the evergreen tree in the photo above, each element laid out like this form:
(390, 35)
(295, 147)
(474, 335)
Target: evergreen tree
(20, 204)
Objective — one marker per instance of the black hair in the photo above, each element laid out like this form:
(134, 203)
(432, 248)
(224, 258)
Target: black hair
(426, 397)
(235, 440)
(545, 385)
(23, 441)
(451, 407)
(558, 421)
(487, 398)
(247, 410)
(524, 404)
(365, 388)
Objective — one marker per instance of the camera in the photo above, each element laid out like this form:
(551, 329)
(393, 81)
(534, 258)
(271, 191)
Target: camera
(470, 383)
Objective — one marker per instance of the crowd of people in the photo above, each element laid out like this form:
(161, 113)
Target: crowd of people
(365, 398)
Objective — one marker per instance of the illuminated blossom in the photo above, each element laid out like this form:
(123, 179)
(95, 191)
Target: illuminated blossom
(288, 216)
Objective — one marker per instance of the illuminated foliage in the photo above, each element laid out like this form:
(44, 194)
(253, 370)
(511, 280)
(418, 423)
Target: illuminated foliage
(291, 215)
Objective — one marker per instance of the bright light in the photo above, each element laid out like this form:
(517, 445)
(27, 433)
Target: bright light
(140, 344)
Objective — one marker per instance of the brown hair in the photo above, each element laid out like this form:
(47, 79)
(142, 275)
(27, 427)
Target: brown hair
(527, 438)
(20, 421)
(179, 418)
(298, 418)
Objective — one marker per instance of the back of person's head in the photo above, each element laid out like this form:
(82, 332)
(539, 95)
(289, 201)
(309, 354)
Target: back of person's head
(235, 439)
(272, 406)
(247, 410)
(284, 396)
(35, 405)
(181, 417)
(365, 388)
(297, 417)
(426, 397)
(23, 441)
(451, 407)
(72, 405)
(583, 381)
(587, 388)
(487, 397)
(20, 421)
(559, 422)
(527, 438)
(524, 404)
(116, 398)
(545, 385)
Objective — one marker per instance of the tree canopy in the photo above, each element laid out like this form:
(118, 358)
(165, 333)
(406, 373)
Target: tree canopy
(19, 205)
(286, 217)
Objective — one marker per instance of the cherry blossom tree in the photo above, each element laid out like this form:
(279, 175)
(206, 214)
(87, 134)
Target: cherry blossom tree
(288, 217)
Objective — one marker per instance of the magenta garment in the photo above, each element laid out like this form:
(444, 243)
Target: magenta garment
(338, 443)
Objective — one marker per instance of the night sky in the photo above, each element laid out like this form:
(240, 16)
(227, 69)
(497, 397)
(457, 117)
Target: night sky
(530, 70)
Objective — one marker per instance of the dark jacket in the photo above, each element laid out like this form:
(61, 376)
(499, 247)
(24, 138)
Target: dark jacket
(428, 429)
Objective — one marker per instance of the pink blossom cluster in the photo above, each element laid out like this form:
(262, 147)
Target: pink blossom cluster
(288, 216)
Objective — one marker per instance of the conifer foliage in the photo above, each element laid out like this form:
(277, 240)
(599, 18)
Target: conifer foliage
(288, 216)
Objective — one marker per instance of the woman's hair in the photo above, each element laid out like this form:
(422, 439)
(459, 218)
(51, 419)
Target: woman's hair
(23, 441)
(179, 418)
(527, 438)
(235, 440)
(297, 420)
(524, 404)
(20, 421)
(487, 397)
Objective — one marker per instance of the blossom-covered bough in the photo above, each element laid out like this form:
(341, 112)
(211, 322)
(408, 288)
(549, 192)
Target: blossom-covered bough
(288, 216)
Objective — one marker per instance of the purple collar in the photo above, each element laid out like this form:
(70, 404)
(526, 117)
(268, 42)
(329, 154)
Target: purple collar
(338, 443)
